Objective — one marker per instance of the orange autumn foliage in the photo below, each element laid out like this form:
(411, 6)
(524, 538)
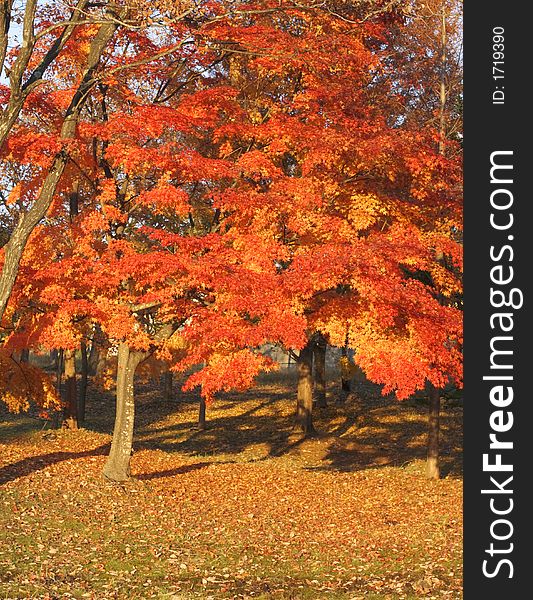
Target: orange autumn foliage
(22, 383)
(261, 196)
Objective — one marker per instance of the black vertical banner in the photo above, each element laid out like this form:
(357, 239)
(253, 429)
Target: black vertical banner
(498, 498)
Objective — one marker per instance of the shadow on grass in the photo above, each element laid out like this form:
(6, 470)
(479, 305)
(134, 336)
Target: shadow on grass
(172, 472)
(29, 465)
(364, 439)
(357, 435)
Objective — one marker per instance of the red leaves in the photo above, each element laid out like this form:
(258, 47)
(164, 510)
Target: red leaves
(267, 196)
(235, 371)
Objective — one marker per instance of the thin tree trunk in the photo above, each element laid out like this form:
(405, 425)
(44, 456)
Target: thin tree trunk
(94, 353)
(5, 22)
(432, 465)
(70, 412)
(166, 381)
(92, 359)
(304, 403)
(201, 414)
(117, 467)
(442, 83)
(25, 355)
(59, 370)
(319, 361)
(345, 381)
(84, 374)
(53, 359)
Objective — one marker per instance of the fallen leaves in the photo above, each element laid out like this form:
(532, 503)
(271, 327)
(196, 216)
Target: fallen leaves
(232, 523)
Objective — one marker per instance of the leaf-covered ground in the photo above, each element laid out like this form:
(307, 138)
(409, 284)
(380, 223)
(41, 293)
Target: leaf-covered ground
(245, 509)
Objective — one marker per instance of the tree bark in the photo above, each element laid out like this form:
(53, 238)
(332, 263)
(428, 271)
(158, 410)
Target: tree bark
(304, 403)
(93, 359)
(201, 414)
(432, 465)
(6, 7)
(59, 370)
(117, 467)
(442, 83)
(319, 361)
(167, 380)
(345, 382)
(84, 376)
(70, 412)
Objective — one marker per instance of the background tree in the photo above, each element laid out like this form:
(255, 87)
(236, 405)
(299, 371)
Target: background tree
(426, 68)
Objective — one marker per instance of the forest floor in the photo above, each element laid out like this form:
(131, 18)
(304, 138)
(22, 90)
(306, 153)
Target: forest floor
(244, 509)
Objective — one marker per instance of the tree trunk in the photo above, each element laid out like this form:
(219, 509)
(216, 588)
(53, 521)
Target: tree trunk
(93, 358)
(432, 465)
(84, 374)
(5, 21)
(201, 414)
(166, 384)
(117, 467)
(25, 355)
(304, 403)
(319, 361)
(442, 83)
(345, 382)
(94, 352)
(59, 370)
(70, 412)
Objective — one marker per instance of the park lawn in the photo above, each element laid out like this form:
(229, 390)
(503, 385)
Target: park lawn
(245, 509)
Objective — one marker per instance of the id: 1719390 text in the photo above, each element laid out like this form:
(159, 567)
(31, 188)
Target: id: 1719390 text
(498, 64)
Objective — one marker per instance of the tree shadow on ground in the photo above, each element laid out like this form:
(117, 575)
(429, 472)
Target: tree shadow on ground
(349, 437)
(32, 464)
(366, 431)
(100, 408)
(172, 472)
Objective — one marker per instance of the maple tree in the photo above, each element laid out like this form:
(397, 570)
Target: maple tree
(391, 208)
(112, 301)
(426, 62)
(73, 39)
(52, 73)
(240, 188)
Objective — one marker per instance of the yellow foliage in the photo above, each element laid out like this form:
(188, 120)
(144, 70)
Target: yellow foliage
(176, 342)
(21, 383)
(365, 209)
